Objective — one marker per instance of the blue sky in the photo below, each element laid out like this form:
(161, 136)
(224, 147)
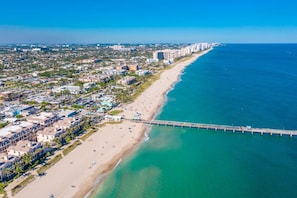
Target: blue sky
(130, 21)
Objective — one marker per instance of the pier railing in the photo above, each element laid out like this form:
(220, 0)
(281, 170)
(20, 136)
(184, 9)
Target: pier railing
(217, 127)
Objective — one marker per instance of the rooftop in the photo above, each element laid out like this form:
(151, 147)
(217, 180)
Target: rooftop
(14, 128)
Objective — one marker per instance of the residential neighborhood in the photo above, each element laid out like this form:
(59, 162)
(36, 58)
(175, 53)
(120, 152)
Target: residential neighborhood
(52, 95)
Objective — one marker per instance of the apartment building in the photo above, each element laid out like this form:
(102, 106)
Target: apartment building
(11, 134)
(67, 123)
(24, 147)
(7, 163)
(48, 134)
(45, 119)
(127, 80)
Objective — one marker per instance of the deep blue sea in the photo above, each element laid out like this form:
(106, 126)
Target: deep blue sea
(235, 84)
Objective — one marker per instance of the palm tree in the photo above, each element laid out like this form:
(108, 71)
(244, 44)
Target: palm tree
(18, 168)
(48, 154)
(86, 125)
(27, 159)
(38, 152)
(7, 173)
(67, 139)
(47, 144)
(58, 141)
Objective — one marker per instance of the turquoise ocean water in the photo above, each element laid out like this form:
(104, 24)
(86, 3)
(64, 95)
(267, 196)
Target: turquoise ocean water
(251, 84)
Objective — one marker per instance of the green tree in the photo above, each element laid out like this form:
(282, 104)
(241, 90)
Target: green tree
(46, 74)
(31, 102)
(7, 172)
(75, 106)
(2, 125)
(45, 105)
(2, 186)
(48, 154)
(58, 141)
(47, 144)
(38, 152)
(27, 159)
(18, 169)
(67, 139)
(87, 125)
(19, 116)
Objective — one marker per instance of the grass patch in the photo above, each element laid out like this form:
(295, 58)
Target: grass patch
(145, 85)
(75, 106)
(71, 147)
(2, 125)
(110, 122)
(49, 164)
(115, 112)
(2, 191)
(22, 185)
(88, 134)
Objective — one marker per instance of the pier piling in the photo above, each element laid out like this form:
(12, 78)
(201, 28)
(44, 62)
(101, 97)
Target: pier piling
(217, 127)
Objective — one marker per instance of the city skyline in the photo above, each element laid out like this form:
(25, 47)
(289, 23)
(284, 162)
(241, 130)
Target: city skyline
(148, 22)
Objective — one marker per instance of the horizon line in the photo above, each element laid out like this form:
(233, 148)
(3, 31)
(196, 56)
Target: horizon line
(136, 43)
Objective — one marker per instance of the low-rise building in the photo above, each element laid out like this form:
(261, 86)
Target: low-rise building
(107, 103)
(88, 86)
(95, 78)
(44, 118)
(97, 97)
(121, 48)
(142, 72)
(151, 60)
(10, 96)
(11, 134)
(133, 67)
(23, 147)
(26, 110)
(67, 123)
(13, 110)
(48, 134)
(113, 72)
(127, 80)
(65, 113)
(122, 67)
(113, 118)
(7, 163)
(86, 61)
(71, 89)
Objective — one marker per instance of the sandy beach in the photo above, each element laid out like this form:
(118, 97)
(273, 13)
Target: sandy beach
(76, 174)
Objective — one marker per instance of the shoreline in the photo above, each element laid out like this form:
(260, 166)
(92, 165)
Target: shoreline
(90, 188)
(157, 111)
(91, 192)
(77, 174)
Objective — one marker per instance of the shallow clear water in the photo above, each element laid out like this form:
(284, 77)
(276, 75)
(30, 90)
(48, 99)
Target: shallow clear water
(237, 85)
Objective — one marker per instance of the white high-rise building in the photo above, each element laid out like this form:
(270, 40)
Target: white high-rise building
(171, 54)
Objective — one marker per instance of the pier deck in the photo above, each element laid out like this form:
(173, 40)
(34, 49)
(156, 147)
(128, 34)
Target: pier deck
(217, 127)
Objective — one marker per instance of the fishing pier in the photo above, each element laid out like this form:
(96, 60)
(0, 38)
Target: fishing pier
(217, 127)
